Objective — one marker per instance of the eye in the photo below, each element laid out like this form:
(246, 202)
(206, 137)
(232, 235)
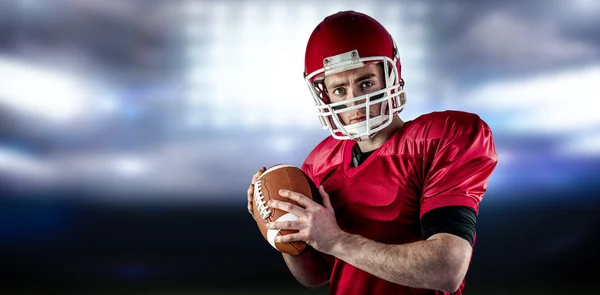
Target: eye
(338, 91)
(366, 84)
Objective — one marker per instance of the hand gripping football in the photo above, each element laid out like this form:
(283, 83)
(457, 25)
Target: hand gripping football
(267, 188)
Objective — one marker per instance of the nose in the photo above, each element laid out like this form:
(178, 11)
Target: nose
(352, 93)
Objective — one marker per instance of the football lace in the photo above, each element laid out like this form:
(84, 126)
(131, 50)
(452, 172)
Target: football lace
(260, 203)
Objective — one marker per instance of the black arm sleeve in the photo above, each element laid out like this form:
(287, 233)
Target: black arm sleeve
(456, 220)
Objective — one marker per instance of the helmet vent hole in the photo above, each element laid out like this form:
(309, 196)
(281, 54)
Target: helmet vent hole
(318, 28)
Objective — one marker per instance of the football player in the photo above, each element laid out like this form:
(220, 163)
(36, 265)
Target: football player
(400, 199)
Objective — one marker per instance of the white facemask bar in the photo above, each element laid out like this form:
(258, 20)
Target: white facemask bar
(329, 117)
(371, 125)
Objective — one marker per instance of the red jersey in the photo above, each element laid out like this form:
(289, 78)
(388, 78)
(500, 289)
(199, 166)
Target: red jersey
(439, 159)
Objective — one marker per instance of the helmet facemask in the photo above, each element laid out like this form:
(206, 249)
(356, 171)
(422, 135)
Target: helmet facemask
(391, 97)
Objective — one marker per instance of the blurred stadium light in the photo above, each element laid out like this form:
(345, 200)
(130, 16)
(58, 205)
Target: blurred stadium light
(176, 96)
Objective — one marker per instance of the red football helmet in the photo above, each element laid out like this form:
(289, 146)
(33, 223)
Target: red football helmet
(344, 41)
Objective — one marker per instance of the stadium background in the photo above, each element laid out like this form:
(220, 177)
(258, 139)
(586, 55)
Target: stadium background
(129, 131)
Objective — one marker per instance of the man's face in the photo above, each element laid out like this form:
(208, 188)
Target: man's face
(354, 83)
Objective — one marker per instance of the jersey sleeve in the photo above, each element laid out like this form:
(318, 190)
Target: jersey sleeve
(459, 167)
(307, 169)
(321, 159)
(308, 166)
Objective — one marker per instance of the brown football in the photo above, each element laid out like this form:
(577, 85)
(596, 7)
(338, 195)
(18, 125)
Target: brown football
(267, 188)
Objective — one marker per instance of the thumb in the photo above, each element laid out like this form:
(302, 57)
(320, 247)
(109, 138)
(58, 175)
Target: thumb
(325, 197)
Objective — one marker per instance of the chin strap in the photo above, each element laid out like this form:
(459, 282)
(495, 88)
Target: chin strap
(365, 137)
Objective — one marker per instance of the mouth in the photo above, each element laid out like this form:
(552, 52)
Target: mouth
(358, 119)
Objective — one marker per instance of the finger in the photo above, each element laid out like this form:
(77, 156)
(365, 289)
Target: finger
(250, 208)
(250, 193)
(325, 197)
(298, 197)
(258, 174)
(291, 225)
(295, 237)
(288, 207)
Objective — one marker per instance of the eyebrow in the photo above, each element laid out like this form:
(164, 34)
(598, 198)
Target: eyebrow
(360, 79)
